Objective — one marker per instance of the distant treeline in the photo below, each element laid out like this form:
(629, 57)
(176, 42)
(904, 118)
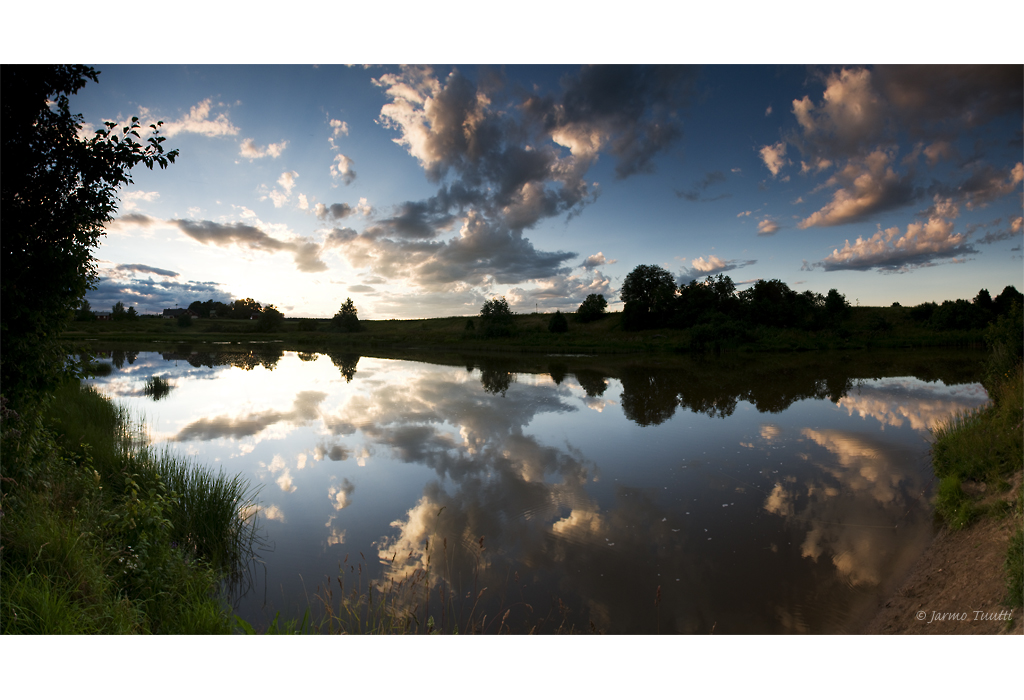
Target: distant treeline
(652, 300)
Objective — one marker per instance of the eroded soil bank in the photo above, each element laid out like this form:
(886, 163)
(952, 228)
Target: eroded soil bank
(958, 586)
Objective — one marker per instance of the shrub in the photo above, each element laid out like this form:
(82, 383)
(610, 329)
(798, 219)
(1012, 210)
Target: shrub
(558, 324)
(496, 318)
(592, 308)
(347, 318)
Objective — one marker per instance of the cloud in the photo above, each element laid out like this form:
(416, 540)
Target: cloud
(987, 184)
(931, 98)
(342, 168)
(871, 186)
(197, 121)
(305, 252)
(560, 292)
(774, 157)
(305, 408)
(130, 200)
(767, 227)
(596, 260)
(695, 194)
(849, 119)
(891, 251)
(248, 150)
(341, 495)
(340, 128)
(149, 296)
(505, 158)
(361, 289)
(136, 267)
(713, 265)
(1012, 232)
(335, 211)
(481, 253)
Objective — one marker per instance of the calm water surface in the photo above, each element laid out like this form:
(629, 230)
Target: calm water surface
(726, 497)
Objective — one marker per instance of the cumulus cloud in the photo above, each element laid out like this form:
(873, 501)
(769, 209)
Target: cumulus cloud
(197, 121)
(340, 128)
(252, 152)
(341, 494)
(506, 158)
(335, 211)
(696, 193)
(596, 260)
(870, 186)
(342, 168)
(305, 251)
(849, 117)
(560, 292)
(712, 265)
(892, 251)
(481, 253)
(774, 157)
(767, 227)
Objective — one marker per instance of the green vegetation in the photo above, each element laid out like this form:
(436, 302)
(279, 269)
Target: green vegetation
(57, 193)
(347, 318)
(102, 535)
(976, 453)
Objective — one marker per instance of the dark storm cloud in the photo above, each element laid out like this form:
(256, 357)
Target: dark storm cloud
(929, 96)
(634, 107)
(305, 252)
(695, 194)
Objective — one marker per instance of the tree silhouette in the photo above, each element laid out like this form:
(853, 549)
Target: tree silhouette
(58, 190)
(347, 318)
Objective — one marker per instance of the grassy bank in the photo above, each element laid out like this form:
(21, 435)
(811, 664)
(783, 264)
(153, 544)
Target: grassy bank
(975, 457)
(102, 534)
(866, 328)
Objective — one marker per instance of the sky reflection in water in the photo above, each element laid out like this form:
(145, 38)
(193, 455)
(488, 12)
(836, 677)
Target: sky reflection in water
(756, 510)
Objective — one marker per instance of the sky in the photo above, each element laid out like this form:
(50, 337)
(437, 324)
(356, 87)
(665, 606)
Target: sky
(424, 191)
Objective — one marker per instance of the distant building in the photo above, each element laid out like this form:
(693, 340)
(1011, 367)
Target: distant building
(175, 313)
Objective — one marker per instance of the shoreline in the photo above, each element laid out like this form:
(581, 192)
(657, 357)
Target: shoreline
(957, 583)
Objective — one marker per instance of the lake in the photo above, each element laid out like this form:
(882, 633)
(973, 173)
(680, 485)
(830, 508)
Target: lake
(747, 494)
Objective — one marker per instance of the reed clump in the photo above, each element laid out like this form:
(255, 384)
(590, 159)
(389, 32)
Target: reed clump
(101, 534)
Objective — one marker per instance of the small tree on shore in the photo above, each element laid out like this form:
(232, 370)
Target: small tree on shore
(592, 308)
(558, 324)
(270, 320)
(347, 318)
(496, 317)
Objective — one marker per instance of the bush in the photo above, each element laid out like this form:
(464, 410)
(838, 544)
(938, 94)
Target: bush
(270, 320)
(558, 324)
(307, 325)
(592, 308)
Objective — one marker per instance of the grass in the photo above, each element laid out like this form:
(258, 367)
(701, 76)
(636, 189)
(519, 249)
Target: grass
(979, 450)
(103, 535)
(867, 328)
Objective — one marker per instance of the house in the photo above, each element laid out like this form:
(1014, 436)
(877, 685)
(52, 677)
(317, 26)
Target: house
(175, 313)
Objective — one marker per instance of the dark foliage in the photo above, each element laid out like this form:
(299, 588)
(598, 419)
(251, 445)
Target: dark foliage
(57, 192)
(496, 318)
(270, 320)
(647, 293)
(347, 318)
(592, 308)
(558, 324)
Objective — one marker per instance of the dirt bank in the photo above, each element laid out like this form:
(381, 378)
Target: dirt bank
(957, 586)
